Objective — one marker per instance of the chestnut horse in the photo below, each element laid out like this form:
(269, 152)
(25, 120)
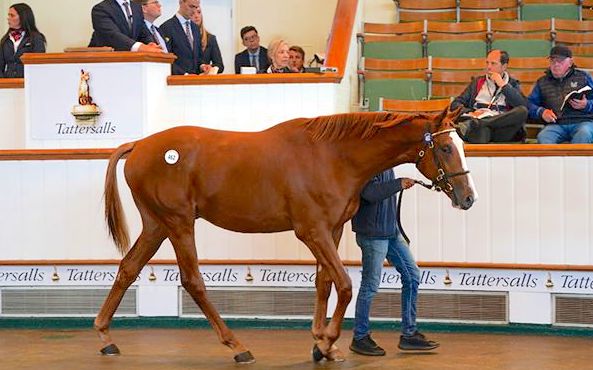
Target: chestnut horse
(303, 175)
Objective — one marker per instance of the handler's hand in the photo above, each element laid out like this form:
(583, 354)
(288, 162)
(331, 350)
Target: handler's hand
(497, 78)
(578, 104)
(549, 116)
(407, 183)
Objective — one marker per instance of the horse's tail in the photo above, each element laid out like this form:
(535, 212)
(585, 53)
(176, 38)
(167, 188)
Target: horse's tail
(114, 213)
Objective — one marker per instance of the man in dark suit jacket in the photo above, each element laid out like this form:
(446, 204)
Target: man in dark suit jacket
(120, 24)
(255, 55)
(151, 9)
(179, 30)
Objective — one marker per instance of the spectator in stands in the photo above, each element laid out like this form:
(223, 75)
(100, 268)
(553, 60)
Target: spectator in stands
(297, 59)
(184, 36)
(378, 236)
(254, 55)
(565, 119)
(494, 109)
(211, 56)
(120, 25)
(22, 37)
(151, 10)
(279, 57)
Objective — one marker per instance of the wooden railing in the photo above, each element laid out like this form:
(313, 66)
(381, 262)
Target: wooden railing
(471, 150)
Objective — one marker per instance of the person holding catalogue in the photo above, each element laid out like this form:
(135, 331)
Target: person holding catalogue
(568, 116)
(494, 109)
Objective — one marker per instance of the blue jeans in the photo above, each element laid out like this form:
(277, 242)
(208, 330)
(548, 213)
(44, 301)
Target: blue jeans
(397, 252)
(576, 133)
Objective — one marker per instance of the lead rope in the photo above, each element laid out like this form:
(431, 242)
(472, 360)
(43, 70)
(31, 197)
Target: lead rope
(399, 208)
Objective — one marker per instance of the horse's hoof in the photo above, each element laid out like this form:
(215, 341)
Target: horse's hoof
(316, 353)
(110, 350)
(335, 354)
(244, 358)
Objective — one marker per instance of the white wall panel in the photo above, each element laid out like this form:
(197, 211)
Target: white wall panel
(552, 217)
(526, 206)
(478, 217)
(502, 216)
(577, 215)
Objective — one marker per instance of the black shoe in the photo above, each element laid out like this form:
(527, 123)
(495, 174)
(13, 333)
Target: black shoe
(366, 346)
(416, 342)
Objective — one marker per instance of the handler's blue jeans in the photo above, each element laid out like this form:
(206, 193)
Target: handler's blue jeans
(575, 133)
(397, 252)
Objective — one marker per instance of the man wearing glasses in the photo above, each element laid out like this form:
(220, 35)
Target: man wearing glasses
(562, 100)
(120, 25)
(151, 9)
(254, 55)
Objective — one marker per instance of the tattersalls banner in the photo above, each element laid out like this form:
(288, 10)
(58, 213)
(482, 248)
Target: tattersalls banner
(303, 276)
(93, 101)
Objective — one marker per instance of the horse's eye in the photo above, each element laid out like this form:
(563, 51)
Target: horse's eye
(446, 149)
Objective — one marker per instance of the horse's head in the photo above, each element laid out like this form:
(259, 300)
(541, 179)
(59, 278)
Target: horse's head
(442, 160)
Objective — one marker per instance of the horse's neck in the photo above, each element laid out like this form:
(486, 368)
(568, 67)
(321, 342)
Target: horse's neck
(388, 148)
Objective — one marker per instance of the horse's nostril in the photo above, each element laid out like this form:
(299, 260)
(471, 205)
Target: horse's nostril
(469, 200)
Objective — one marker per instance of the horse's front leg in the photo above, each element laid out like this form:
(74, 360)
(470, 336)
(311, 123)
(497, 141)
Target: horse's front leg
(323, 248)
(323, 284)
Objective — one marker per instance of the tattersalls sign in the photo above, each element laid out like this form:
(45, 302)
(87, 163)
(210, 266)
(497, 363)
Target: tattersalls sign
(91, 102)
(304, 276)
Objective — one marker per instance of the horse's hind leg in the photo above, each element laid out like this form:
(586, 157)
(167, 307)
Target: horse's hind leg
(191, 279)
(130, 266)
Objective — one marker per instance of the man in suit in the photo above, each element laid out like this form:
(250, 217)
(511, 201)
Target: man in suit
(151, 10)
(254, 55)
(120, 24)
(184, 37)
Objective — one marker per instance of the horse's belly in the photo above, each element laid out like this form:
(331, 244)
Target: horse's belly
(248, 222)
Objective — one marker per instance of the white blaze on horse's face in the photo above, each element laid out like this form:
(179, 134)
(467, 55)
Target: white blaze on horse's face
(459, 145)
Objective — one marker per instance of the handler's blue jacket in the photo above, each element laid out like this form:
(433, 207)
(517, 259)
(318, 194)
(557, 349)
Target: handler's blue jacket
(376, 216)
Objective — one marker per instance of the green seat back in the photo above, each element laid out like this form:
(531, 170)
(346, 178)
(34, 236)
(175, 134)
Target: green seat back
(524, 48)
(532, 12)
(393, 50)
(457, 49)
(407, 89)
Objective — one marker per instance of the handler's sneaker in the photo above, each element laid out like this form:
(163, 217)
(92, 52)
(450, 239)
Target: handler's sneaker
(366, 346)
(416, 342)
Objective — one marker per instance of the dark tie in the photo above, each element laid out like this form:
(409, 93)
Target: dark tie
(154, 35)
(189, 35)
(128, 14)
(253, 62)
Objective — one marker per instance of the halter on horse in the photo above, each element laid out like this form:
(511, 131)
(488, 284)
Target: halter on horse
(303, 175)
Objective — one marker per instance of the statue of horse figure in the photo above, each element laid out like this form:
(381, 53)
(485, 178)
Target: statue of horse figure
(84, 96)
(303, 175)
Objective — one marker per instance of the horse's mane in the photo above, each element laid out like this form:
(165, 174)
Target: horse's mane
(359, 125)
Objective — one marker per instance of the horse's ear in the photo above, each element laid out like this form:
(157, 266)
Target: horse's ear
(397, 119)
(453, 114)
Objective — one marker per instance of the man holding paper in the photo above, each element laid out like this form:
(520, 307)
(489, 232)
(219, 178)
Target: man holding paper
(494, 109)
(562, 100)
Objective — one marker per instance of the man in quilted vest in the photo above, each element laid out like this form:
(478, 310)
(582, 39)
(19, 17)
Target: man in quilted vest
(556, 100)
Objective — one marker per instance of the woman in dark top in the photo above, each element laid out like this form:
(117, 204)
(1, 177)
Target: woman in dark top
(22, 37)
(211, 55)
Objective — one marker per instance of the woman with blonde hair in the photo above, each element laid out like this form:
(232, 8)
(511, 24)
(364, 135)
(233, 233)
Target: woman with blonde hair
(279, 56)
(211, 56)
